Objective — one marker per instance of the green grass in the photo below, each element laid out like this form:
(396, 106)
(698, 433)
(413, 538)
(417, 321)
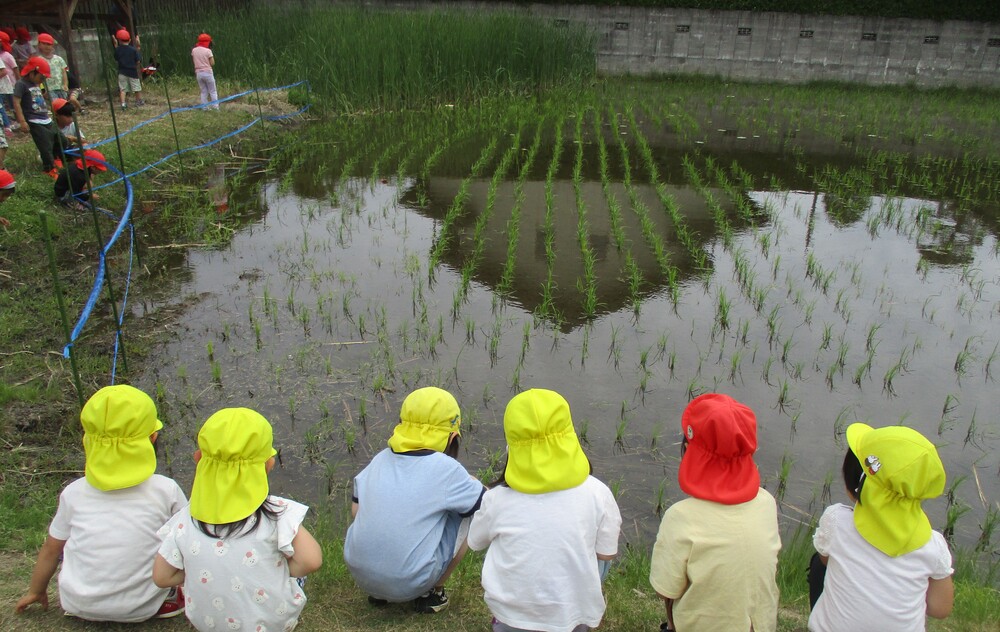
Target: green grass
(357, 57)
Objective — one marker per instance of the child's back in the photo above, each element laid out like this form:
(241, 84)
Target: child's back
(106, 524)
(236, 548)
(409, 505)
(886, 568)
(110, 543)
(547, 525)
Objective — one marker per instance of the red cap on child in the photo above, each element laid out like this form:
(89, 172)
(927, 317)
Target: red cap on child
(45, 38)
(122, 35)
(58, 104)
(205, 37)
(6, 180)
(94, 155)
(36, 63)
(721, 440)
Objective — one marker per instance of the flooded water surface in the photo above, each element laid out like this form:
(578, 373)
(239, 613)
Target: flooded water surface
(620, 254)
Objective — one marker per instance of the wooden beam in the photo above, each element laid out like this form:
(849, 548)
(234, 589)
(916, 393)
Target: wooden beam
(66, 14)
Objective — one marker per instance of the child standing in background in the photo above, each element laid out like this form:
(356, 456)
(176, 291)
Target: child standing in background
(105, 529)
(716, 553)
(204, 60)
(22, 47)
(237, 549)
(33, 113)
(551, 528)
(129, 62)
(411, 505)
(6, 190)
(8, 76)
(58, 70)
(886, 569)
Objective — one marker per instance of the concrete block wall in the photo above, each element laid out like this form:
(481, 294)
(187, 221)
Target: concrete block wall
(788, 47)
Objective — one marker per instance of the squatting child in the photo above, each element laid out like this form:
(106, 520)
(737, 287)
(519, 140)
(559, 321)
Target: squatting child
(239, 551)
(411, 506)
(105, 529)
(551, 528)
(886, 569)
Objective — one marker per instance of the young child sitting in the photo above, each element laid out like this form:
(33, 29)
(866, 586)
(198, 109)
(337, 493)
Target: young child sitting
(886, 569)
(410, 505)
(716, 553)
(71, 134)
(71, 186)
(551, 528)
(105, 529)
(7, 184)
(237, 549)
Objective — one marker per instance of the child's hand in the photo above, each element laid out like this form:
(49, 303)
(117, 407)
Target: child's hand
(30, 598)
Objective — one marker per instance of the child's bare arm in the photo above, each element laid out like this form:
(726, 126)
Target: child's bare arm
(165, 575)
(940, 597)
(308, 556)
(19, 115)
(45, 568)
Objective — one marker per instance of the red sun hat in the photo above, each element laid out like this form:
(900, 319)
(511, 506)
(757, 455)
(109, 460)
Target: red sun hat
(721, 438)
(22, 33)
(94, 155)
(6, 180)
(36, 63)
(4, 36)
(204, 37)
(45, 38)
(122, 35)
(58, 104)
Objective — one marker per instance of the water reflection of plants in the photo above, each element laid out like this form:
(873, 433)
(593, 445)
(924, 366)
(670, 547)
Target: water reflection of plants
(815, 316)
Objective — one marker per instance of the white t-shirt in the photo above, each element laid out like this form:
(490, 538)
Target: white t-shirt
(540, 571)
(865, 589)
(107, 567)
(241, 582)
(70, 131)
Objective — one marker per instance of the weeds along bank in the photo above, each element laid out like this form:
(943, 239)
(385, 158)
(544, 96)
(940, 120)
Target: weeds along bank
(356, 58)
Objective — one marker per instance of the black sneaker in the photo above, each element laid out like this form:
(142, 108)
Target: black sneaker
(431, 602)
(378, 603)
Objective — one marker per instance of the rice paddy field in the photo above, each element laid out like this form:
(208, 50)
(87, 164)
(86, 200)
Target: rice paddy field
(824, 254)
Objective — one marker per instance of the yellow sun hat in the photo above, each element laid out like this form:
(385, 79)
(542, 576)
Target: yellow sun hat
(543, 451)
(117, 424)
(427, 419)
(230, 482)
(901, 468)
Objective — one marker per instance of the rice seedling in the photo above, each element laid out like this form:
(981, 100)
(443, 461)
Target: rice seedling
(660, 497)
(991, 520)
(951, 403)
(210, 350)
(786, 469)
(956, 508)
(216, 373)
(963, 358)
(723, 306)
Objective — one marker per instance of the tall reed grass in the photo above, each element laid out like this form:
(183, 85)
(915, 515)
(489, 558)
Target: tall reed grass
(357, 58)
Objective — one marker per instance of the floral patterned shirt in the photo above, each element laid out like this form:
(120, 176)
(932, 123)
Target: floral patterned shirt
(238, 583)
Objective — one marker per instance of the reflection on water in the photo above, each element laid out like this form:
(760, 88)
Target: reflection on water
(819, 306)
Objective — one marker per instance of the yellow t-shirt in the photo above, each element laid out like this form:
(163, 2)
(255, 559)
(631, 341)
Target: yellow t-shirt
(717, 562)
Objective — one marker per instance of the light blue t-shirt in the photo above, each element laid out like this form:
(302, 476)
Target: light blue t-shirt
(410, 506)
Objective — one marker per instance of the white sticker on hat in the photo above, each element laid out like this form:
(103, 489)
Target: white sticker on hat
(690, 432)
(873, 464)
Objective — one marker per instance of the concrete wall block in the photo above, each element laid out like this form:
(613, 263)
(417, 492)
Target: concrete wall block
(894, 52)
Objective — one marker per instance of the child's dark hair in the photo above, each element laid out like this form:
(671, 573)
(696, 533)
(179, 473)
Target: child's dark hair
(502, 480)
(452, 448)
(854, 475)
(246, 526)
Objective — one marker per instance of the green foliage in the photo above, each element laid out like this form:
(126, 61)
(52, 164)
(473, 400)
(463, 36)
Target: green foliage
(359, 58)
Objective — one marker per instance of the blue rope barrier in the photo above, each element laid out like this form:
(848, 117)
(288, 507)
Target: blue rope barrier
(125, 220)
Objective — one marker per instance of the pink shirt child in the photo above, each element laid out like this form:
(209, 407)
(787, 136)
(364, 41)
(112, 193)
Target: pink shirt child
(202, 59)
